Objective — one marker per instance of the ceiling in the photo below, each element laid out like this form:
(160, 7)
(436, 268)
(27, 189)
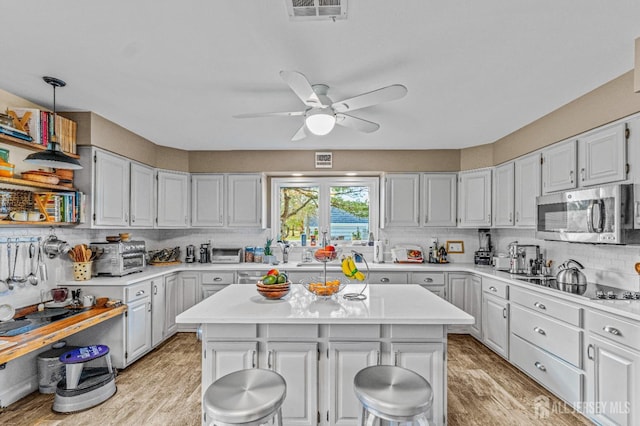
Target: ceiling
(175, 72)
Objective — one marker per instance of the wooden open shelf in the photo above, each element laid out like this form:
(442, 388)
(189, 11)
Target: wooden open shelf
(33, 184)
(40, 223)
(28, 145)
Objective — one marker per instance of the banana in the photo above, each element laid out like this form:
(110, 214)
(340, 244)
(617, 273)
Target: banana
(359, 276)
(346, 269)
(352, 266)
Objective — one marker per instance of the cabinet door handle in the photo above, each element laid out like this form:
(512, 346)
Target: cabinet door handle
(126, 217)
(539, 331)
(155, 289)
(133, 218)
(253, 359)
(149, 308)
(396, 355)
(139, 292)
(510, 216)
(426, 218)
(217, 279)
(540, 306)
(590, 348)
(517, 216)
(493, 289)
(378, 358)
(571, 175)
(269, 359)
(582, 174)
(384, 280)
(504, 312)
(540, 366)
(612, 330)
(428, 280)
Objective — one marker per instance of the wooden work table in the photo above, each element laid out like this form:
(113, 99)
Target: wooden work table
(39, 338)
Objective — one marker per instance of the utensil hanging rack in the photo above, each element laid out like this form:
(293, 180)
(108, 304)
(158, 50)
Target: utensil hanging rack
(13, 240)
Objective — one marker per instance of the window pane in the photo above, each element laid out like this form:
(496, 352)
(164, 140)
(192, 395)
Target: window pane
(349, 212)
(298, 211)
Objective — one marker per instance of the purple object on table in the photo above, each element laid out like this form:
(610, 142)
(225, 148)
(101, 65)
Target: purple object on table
(84, 354)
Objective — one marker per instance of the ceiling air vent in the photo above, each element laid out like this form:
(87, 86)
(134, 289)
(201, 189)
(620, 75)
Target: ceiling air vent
(316, 10)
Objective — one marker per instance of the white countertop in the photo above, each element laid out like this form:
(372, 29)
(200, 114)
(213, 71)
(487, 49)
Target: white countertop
(627, 308)
(385, 304)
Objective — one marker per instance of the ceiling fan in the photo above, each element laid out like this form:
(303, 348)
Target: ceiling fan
(322, 114)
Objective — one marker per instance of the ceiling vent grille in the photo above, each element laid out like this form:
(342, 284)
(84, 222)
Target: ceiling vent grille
(316, 10)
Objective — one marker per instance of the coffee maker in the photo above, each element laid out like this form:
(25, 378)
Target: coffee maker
(205, 253)
(484, 254)
(191, 254)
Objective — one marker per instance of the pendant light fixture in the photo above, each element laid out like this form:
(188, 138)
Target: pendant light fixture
(53, 157)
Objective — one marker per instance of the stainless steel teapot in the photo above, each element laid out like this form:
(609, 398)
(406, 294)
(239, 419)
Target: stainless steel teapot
(571, 275)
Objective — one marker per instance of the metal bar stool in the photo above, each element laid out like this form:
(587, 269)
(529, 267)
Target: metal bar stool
(247, 397)
(394, 394)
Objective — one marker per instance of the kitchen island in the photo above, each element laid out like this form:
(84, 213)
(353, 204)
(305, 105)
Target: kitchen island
(318, 345)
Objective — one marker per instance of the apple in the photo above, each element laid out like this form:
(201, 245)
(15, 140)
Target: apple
(273, 272)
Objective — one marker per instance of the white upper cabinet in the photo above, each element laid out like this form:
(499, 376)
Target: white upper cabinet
(207, 200)
(111, 191)
(244, 200)
(402, 199)
(595, 158)
(527, 185)
(173, 199)
(503, 195)
(474, 198)
(559, 167)
(438, 195)
(142, 199)
(602, 155)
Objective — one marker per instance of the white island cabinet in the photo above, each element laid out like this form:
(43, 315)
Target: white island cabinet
(319, 345)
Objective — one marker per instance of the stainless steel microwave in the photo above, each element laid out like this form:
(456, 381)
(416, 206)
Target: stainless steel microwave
(602, 215)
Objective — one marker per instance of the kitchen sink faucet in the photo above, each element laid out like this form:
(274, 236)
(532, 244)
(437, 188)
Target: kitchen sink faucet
(284, 246)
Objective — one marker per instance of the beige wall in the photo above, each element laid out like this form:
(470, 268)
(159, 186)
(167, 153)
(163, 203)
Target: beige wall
(609, 102)
(636, 69)
(614, 100)
(343, 161)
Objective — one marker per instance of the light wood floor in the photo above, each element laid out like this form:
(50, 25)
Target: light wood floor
(164, 389)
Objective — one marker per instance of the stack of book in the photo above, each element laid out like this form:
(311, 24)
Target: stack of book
(6, 129)
(62, 206)
(38, 125)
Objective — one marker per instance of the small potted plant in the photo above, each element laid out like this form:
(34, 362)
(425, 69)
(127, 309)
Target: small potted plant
(269, 257)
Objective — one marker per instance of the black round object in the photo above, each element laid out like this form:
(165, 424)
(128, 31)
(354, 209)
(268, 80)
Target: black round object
(54, 81)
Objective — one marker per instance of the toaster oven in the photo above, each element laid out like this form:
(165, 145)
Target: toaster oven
(118, 258)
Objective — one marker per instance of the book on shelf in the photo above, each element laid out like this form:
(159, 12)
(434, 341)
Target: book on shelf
(39, 125)
(30, 117)
(62, 206)
(10, 131)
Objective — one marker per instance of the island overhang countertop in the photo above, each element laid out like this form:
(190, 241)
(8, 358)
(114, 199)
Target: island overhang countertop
(385, 304)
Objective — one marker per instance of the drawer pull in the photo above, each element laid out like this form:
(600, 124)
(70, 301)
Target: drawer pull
(589, 349)
(493, 289)
(384, 280)
(428, 280)
(540, 306)
(540, 366)
(612, 330)
(139, 292)
(217, 279)
(539, 331)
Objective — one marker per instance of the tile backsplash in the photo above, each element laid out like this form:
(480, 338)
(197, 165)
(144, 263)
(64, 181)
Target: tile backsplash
(610, 265)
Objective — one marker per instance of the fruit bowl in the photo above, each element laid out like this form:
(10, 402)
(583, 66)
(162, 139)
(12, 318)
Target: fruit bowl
(273, 291)
(327, 254)
(325, 289)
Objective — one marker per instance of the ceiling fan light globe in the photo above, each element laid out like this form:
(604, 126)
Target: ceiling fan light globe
(320, 122)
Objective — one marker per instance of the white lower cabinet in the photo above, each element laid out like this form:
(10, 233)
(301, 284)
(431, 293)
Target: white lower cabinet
(213, 282)
(612, 366)
(158, 307)
(426, 359)
(435, 282)
(138, 328)
(319, 362)
(172, 299)
(345, 360)
(495, 315)
(465, 292)
(190, 294)
(297, 362)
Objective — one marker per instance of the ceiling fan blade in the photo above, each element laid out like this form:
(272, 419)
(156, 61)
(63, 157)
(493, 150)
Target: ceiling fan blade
(356, 123)
(386, 94)
(300, 134)
(269, 114)
(301, 86)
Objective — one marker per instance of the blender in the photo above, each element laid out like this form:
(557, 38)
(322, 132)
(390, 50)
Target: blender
(484, 254)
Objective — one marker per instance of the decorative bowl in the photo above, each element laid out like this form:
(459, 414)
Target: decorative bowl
(273, 291)
(321, 288)
(327, 254)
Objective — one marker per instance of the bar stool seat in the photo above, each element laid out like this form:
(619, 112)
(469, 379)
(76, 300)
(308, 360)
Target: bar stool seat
(394, 394)
(246, 397)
